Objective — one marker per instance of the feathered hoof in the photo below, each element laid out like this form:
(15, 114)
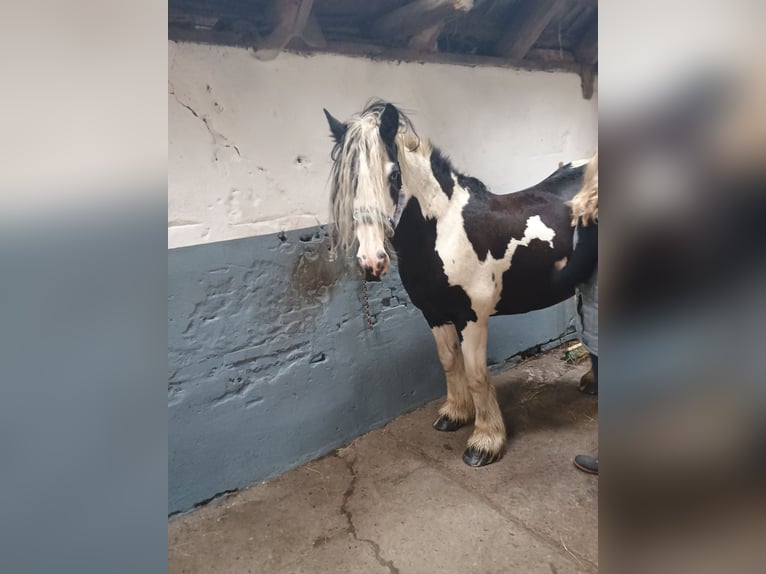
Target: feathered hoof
(473, 456)
(446, 424)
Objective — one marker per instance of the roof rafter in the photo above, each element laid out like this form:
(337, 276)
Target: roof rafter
(420, 16)
(586, 49)
(293, 19)
(530, 21)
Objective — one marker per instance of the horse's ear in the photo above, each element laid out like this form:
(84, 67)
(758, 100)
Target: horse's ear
(337, 127)
(389, 123)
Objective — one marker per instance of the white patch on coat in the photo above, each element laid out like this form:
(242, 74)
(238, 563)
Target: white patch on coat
(461, 264)
(536, 229)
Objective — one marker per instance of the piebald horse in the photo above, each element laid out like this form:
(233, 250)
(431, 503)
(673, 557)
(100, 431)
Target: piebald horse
(464, 254)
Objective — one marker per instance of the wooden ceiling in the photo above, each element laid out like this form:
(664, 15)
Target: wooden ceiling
(529, 34)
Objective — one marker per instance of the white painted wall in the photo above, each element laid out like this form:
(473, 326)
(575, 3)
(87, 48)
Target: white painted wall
(234, 169)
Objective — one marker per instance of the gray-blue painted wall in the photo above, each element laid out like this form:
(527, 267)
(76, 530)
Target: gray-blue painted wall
(271, 365)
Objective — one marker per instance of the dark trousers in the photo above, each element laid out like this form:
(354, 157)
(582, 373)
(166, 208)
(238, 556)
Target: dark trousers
(594, 364)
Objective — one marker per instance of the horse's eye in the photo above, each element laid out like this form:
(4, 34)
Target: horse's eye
(395, 175)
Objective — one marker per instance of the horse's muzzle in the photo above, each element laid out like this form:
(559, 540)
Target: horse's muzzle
(369, 276)
(374, 264)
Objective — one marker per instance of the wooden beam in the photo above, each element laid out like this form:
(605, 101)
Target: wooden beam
(181, 18)
(291, 18)
(550, 55)
(416, 17)
(312, 33)
(526, 26)
(586, 49)
(428, 39)
(587, 80)
(377, 52)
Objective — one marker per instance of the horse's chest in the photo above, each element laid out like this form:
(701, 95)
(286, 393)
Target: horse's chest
(435, 256)
(423, 270)
(423, 273)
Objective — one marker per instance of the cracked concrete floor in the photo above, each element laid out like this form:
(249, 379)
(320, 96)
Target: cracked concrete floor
(400, 500)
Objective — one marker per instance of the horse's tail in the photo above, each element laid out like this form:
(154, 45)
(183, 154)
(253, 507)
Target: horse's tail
(569, 168)
(568, 175)
(566, 180)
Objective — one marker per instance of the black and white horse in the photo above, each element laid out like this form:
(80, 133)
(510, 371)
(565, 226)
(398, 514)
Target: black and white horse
(464, 254)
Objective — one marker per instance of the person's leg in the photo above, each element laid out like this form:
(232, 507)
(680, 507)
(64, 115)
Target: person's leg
(594, 364)
(584, 462)
(589, 381)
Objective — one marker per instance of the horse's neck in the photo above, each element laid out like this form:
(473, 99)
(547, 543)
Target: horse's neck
(419, 182)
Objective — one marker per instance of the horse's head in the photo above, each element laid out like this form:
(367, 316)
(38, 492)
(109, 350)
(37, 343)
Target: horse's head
(366, 184)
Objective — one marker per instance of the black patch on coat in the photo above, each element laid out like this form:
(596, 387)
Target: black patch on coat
(491, 221)
(473, 185)
(442, 170)
(422, 272)
(527, 283)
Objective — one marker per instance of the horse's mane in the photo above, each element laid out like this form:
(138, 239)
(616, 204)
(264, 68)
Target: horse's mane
(443, 170)
(358, 174)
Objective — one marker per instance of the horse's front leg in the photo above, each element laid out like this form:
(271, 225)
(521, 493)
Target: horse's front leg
(457, 410)
(487, 442)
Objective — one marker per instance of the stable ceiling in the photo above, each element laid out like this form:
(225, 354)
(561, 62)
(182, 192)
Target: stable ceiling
(529, 34)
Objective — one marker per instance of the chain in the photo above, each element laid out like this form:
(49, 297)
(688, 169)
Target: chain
(366, 305)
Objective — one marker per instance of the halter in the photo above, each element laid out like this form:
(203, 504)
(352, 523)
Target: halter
(370, 213)
(376, 214)
(399, 208)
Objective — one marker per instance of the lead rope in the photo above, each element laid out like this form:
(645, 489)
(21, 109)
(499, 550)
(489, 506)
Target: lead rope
(366, 305)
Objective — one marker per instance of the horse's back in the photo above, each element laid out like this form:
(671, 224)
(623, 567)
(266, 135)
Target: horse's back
(565, 182)
(492, 220)
(527, 282)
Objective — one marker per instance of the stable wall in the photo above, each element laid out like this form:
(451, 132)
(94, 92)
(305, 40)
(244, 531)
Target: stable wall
(270, 361)
(249, 147)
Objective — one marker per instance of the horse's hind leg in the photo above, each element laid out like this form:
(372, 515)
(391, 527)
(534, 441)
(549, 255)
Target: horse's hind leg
(458, 408)
(487, 442)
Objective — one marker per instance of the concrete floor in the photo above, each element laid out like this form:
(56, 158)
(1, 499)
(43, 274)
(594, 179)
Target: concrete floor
(400, 499)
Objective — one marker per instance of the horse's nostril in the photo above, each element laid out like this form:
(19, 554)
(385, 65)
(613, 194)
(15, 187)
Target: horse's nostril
(369, 275)
(381, 254)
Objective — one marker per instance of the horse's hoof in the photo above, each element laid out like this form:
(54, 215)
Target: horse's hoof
(446, 424)
(472, 456)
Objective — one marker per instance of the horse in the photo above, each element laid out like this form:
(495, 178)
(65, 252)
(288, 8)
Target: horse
(464, 254)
